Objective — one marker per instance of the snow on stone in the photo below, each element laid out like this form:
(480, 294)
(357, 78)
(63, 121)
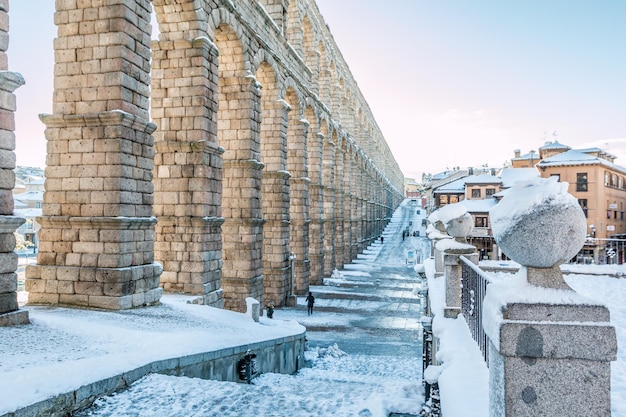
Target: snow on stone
(450, 212)
(523, 198)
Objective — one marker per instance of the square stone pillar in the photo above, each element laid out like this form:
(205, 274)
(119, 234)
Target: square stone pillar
(550, 359)
(453, 273)
(96, 243)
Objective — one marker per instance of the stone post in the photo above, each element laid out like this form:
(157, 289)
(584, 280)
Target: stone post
(458, 228)
(550, 349)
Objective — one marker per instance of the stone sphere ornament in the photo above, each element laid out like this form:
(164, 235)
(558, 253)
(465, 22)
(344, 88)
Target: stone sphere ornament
(539, 224)
(460, 227)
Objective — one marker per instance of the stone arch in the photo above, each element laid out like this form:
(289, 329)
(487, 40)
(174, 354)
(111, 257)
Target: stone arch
(297, 165)
(168, 14)
(237, 132)
(324, 77)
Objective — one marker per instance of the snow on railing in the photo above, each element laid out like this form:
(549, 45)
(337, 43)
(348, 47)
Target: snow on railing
(474, 287)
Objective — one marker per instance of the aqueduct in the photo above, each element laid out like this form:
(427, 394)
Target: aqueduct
(233, 157)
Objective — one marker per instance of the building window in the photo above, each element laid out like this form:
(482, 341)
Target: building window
(476, 193)
(583, 205)
(607, 178)
(480, 221)
(620, 184)
(557, 176)
(454, 199)
(613, 180)
(443, 200)
(490, 191)
(581, 181)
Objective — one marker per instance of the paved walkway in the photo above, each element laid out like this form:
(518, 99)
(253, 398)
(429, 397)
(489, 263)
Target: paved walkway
(369, 309)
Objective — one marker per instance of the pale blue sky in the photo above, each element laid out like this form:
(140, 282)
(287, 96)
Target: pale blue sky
(450, 82)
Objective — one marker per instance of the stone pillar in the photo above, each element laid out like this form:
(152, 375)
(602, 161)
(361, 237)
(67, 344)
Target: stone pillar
(9, 82)
(299, 205)
(339, 208)
(458, 228)
(188, 170)
(328, 174)
(355, 227)
(550, 350)
(277, 269)
(316, 229)
(96, 243)
(97, 233)
(347, 207)
(243, 235)
(10, 314)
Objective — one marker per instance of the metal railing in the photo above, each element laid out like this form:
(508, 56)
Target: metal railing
(474, 283)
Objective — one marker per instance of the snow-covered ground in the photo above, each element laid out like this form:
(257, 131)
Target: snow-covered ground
(35, 360)
(64, 348)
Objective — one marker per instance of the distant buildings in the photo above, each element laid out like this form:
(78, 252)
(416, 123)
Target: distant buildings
(594, 179)
(27, 200)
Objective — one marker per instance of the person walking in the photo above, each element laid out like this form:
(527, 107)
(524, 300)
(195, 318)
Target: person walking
(310, 300)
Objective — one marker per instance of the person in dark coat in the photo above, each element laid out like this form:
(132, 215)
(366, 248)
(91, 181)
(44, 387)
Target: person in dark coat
(310, 300)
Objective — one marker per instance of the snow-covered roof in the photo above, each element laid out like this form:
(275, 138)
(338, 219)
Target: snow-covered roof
(483, 179)
(17, 204)
(29, 196)
(27, 213)
(554, 146)
(529, 155)
(479, 206)
(576, 157)
(510, 176)
(457, 186)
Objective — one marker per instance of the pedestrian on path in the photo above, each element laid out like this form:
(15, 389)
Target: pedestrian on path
(310, 300)
(382, 240)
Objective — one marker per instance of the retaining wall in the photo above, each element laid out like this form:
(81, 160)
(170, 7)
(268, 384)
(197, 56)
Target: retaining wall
(284, 355)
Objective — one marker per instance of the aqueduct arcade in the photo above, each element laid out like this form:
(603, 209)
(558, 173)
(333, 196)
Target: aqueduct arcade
(233, 157)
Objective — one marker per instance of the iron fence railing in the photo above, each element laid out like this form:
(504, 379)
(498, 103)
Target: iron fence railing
(474, 287)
